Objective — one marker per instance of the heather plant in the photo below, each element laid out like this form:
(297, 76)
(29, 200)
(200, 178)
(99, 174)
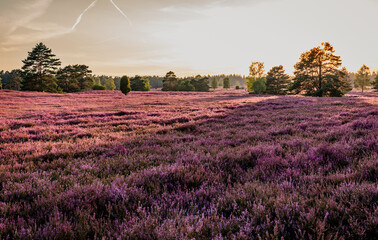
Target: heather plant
(158, 165)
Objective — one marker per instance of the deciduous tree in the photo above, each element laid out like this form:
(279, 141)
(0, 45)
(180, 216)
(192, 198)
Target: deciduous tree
(256, 71)
(362, 78)
(109, 84)
(259, 86)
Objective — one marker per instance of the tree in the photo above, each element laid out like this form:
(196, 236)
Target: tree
(170, 82)
(201, 84)
(259, 86)
(75, 78)
(11, 80)
(256, 71)
(97, 81)
(1, 85)
(362, 78)
(214, 83)
(375, 83)
(39, 69)
(139, 83)
(226, 83)
(186, 86)
(346, 80)
(317, 73)
(277, 81)
(109, 84)
(125, 85)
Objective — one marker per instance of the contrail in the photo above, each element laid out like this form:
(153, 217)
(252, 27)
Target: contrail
(127, 18)
(81, 15)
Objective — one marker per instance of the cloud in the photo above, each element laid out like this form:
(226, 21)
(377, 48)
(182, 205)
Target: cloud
(20, 23)
(17, 13)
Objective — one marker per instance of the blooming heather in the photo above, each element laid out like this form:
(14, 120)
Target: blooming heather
(160, 165)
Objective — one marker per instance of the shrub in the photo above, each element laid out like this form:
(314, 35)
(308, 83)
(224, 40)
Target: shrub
(98, 87)
(125, 85)
(259, 86)
(186, 86)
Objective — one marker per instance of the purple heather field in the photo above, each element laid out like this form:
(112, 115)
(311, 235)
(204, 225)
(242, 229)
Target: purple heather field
(158, 165)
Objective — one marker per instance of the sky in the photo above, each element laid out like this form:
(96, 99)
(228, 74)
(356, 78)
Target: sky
(189, 37)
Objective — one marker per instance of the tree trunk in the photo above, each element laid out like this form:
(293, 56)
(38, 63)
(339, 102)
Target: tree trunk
(320, 74)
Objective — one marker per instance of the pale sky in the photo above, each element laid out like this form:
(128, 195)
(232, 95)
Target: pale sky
(189, 37)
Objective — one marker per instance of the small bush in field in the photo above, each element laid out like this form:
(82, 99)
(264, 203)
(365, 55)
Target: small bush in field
(125, 85)
(98, 87)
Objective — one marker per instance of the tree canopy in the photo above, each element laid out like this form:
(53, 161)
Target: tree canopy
(214, 83)
(256, 71)
(317, 73)
(39, 69)
(125, 85)
(362, 77)
(139, 83)
(277, 81)
(226, 83)
(170, 82)
(75, 78)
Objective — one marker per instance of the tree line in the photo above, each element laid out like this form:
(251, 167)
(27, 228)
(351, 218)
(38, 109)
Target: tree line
(42, 71)
(318, 73)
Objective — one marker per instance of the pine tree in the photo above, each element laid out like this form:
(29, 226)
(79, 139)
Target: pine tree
(226, 83)
(214, 83)
(201, 84)
(11, 80)
(363, 77)
(317, 73)
(39, 69)
(139, 83)
(170, 82)
(75, 78)
(125, 85)
(346, 81)
(277, 81)
(375, 83)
